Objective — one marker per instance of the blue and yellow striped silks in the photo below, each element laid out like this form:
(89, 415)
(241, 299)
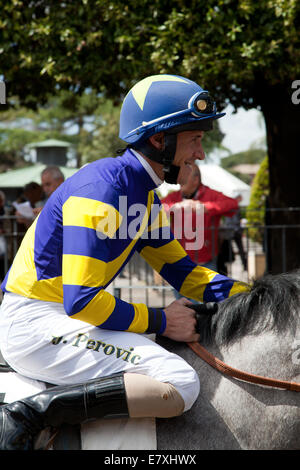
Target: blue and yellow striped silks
(87, 232)
(84, 235)
(166, 255)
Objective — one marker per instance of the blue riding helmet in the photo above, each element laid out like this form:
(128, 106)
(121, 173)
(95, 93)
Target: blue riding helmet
(164, 102)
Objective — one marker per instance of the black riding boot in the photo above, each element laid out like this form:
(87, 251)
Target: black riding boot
(21, 421)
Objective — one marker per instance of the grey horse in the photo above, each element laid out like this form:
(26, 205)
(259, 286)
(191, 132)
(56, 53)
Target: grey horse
(257, 332)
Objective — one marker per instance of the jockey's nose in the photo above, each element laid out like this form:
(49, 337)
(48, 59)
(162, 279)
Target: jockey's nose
(199, 153)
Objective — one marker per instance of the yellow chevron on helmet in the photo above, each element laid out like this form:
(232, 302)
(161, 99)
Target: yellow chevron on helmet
(140, 90)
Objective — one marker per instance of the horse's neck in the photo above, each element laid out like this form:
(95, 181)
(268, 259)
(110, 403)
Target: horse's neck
(230, 414)
(267, 354)
(258, 417)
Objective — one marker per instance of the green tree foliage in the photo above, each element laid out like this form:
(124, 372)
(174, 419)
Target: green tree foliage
(65, 116)
(227, 45)
(73, 45)
(246, 52)
(102, 140)
(251, 156)
(20, 126)
(256, 210)
(12, 142)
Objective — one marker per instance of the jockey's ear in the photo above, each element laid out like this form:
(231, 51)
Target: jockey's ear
(157, 140)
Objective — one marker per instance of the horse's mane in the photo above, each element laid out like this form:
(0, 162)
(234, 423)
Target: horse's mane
(273, 302)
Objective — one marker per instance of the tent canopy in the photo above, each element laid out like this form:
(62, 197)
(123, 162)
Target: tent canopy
(22, 176)
(49, 143)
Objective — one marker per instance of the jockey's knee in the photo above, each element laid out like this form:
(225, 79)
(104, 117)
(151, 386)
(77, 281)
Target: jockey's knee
(148, 397)
(190, 391)
(185, 380)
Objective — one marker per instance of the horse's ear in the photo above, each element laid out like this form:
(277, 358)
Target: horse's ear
(212, 307)
(208, 308)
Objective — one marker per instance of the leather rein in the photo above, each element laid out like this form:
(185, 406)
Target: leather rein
(239, 374)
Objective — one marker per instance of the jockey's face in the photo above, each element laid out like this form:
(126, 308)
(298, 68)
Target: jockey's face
(189, 148)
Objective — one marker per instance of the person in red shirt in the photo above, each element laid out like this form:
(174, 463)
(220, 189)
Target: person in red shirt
(193, 205)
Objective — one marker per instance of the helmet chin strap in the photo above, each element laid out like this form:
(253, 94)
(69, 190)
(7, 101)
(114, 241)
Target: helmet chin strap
(164, 156)
(171, 171)
(171, 174)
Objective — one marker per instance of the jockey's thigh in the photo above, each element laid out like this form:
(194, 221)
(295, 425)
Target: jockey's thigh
(40, 341)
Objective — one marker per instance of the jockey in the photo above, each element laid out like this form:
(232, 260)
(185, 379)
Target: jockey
(60, 324)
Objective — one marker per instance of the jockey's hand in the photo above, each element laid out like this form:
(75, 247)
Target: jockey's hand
(181, 321)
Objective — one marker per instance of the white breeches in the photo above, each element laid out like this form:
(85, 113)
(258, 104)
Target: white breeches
(40, 341)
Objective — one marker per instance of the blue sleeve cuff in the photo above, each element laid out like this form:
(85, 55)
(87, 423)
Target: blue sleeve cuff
(157, 321)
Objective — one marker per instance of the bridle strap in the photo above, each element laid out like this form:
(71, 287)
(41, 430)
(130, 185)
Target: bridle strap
(239, 374)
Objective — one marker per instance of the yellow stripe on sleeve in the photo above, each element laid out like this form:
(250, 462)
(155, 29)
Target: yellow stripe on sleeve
(168, 253)
(239, 287)
(160, 221)
(140, 321)
(196, 282)
(89, 213)
(97, 310)
(81, 270)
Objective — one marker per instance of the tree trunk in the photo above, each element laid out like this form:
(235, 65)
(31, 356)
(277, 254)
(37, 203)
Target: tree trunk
(80, 124)
(282, 119)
